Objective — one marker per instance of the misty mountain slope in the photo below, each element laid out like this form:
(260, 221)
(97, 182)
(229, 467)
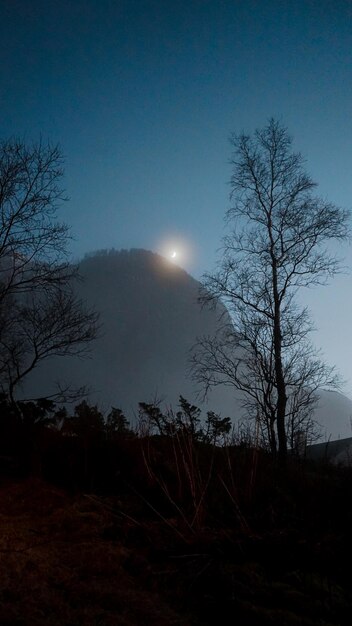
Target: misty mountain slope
(150, 319)
(334, 413)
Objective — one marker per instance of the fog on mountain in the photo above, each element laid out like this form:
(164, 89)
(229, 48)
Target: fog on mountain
(150, 319)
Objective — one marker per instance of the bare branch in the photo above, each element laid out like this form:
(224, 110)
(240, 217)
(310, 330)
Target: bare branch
(39, 315)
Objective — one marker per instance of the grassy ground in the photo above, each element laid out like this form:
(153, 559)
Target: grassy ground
(59, 566)
(276, 550)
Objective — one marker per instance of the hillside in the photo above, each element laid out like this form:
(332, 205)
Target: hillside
(150, 319)
(272, 549)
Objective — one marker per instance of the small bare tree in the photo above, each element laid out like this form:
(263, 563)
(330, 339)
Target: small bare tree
(39, 313)
(277, 244)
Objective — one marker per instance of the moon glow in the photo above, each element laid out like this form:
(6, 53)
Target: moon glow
(176, 250)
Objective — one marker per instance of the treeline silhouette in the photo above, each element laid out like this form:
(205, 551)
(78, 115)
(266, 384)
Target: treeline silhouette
(83, 449)
(198, 468)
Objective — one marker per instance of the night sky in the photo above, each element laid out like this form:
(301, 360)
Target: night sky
(142, 97)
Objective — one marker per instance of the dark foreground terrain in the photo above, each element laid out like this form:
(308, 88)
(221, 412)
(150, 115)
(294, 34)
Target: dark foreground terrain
(196, 535)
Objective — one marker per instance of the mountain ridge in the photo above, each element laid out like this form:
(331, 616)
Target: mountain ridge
(150, 320)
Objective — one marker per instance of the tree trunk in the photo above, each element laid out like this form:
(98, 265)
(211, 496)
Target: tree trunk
(272, 437)
(279, 374)
(281, 393)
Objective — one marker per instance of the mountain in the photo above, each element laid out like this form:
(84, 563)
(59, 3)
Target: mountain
(150, 319)
(334, 413)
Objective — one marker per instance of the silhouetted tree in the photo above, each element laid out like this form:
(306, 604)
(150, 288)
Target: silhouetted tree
(186, 422)
(216, 427)
(279, 230)
(87, 422)
(152, 419)
(117, 423)
(39, 314)
(87, 427)
(188, 418)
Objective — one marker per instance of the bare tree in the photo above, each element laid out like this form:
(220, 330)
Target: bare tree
(39, 314)
(242, 355)
(277, 244)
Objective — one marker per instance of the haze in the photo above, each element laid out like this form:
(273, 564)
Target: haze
(143, 95)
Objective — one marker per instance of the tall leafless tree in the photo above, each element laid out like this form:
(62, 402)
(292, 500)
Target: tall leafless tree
(277, 244)
(39, 313)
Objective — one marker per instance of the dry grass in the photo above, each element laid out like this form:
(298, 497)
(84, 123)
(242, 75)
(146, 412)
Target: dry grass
(56, 566)
(268, 550)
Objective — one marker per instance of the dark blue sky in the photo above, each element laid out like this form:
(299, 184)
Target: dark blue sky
(142, 95)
